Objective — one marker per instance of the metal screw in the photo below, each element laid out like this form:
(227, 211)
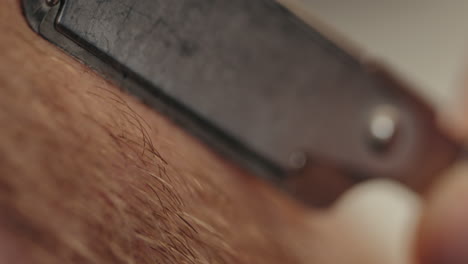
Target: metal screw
(298, 160)
(383, 127)
(52, 2)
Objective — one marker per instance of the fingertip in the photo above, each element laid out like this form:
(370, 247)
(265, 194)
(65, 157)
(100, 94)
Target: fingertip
(381, 216)
(443, 233)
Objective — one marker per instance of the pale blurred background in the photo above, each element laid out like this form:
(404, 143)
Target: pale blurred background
(424, 41)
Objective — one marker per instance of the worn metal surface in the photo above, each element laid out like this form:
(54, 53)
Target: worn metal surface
(254, 83)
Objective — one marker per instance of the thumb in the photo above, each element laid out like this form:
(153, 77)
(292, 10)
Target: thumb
(443, 234)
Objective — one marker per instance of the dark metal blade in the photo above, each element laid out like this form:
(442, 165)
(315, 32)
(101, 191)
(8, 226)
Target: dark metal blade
(256, 84)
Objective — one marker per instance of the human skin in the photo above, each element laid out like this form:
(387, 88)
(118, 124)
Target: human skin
(88, 174)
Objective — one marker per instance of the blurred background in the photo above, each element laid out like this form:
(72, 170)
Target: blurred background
(424, 41)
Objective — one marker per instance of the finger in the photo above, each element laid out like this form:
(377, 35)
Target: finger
(373, 222)
(443, 234)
